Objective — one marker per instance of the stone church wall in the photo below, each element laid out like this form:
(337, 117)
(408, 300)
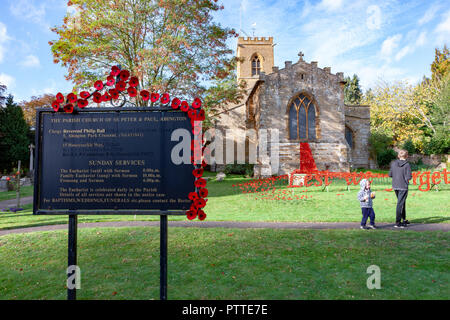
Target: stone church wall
(266, 107)
(357, 119)
(330, 149)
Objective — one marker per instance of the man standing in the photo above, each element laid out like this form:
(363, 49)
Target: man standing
(401, 174)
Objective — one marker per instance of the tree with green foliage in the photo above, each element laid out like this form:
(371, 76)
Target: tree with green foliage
(434, 95)
(440, 113)
(2, 96)
(393, 112)
(439, 142)
(409, 146)
(441, 64)
(352, 90)
(14, 139)
(172, 46)
(416, 115)
(380, 148)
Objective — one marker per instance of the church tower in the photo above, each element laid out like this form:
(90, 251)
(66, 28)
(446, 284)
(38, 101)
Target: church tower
(257, 56)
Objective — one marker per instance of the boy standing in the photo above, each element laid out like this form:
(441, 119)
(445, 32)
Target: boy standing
(400, 172)
(365, 196)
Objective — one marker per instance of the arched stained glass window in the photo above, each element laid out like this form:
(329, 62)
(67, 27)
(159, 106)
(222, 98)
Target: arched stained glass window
(311, 123)
(256, 66)
(302, 122)
(302, 119)
(293, 122)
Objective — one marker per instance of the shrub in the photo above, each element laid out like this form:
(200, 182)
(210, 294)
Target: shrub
(11, 185)
(14, 135)
(385, 157)
(419, 165)
(439, 142)
(244, 169)
(409, 146)
(380, 148)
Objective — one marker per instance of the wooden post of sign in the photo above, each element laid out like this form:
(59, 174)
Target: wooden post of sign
(163, 257)
(72, 254)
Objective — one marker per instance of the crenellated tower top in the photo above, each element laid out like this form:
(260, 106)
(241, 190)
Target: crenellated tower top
(256, 55)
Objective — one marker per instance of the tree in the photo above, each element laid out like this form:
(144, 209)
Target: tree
(29, 107)
(352, 90)
(14, 139)
(222, 92)
(419, 114)
(441, 64)
(440, 114)
(394, 112)
(423, 101)
(170, 45)
(2, 96)
(434, 94)
(439, 142)
(380, 147)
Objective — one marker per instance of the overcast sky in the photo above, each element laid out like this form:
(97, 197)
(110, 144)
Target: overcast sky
(390, 40)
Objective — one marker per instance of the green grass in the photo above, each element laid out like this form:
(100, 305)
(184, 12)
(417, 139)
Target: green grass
(227, 203)
(123, 263)
(336, 205)
(24, 192)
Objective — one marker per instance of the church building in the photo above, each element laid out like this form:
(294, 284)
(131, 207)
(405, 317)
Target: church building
(305, 103)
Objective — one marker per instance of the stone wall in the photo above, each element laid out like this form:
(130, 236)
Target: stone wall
(233, 120)
(266, 107)
(230, 123)
(247, 48)
(357, 119)
(433, 160)
(277, 91)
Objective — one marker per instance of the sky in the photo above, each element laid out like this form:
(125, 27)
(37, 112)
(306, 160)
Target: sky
(377, 40)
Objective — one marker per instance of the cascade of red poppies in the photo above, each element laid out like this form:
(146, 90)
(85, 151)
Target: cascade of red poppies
(307, 163)
(120, 81)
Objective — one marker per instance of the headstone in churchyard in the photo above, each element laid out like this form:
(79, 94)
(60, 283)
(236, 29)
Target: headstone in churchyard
(220, 176)
(3, 184)
(24, 182)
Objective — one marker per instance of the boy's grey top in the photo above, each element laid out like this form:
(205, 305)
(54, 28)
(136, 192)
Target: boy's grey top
(401, 174)
(363, 192)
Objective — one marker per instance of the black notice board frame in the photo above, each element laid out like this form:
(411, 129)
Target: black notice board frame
(37, 166)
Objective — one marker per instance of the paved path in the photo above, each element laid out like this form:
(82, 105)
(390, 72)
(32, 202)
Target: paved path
(236, 224)
(217, 224)
(6, 204)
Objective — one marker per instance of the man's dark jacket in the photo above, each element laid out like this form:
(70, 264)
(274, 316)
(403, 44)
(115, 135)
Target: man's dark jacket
(401, 174)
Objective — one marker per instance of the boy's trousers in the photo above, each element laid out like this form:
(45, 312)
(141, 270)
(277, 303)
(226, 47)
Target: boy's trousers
(401, 204)
(368, 212)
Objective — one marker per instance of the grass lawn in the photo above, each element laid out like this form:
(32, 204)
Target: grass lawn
(24, 192)
(220, 263)
(336, 205)
(227, 203)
